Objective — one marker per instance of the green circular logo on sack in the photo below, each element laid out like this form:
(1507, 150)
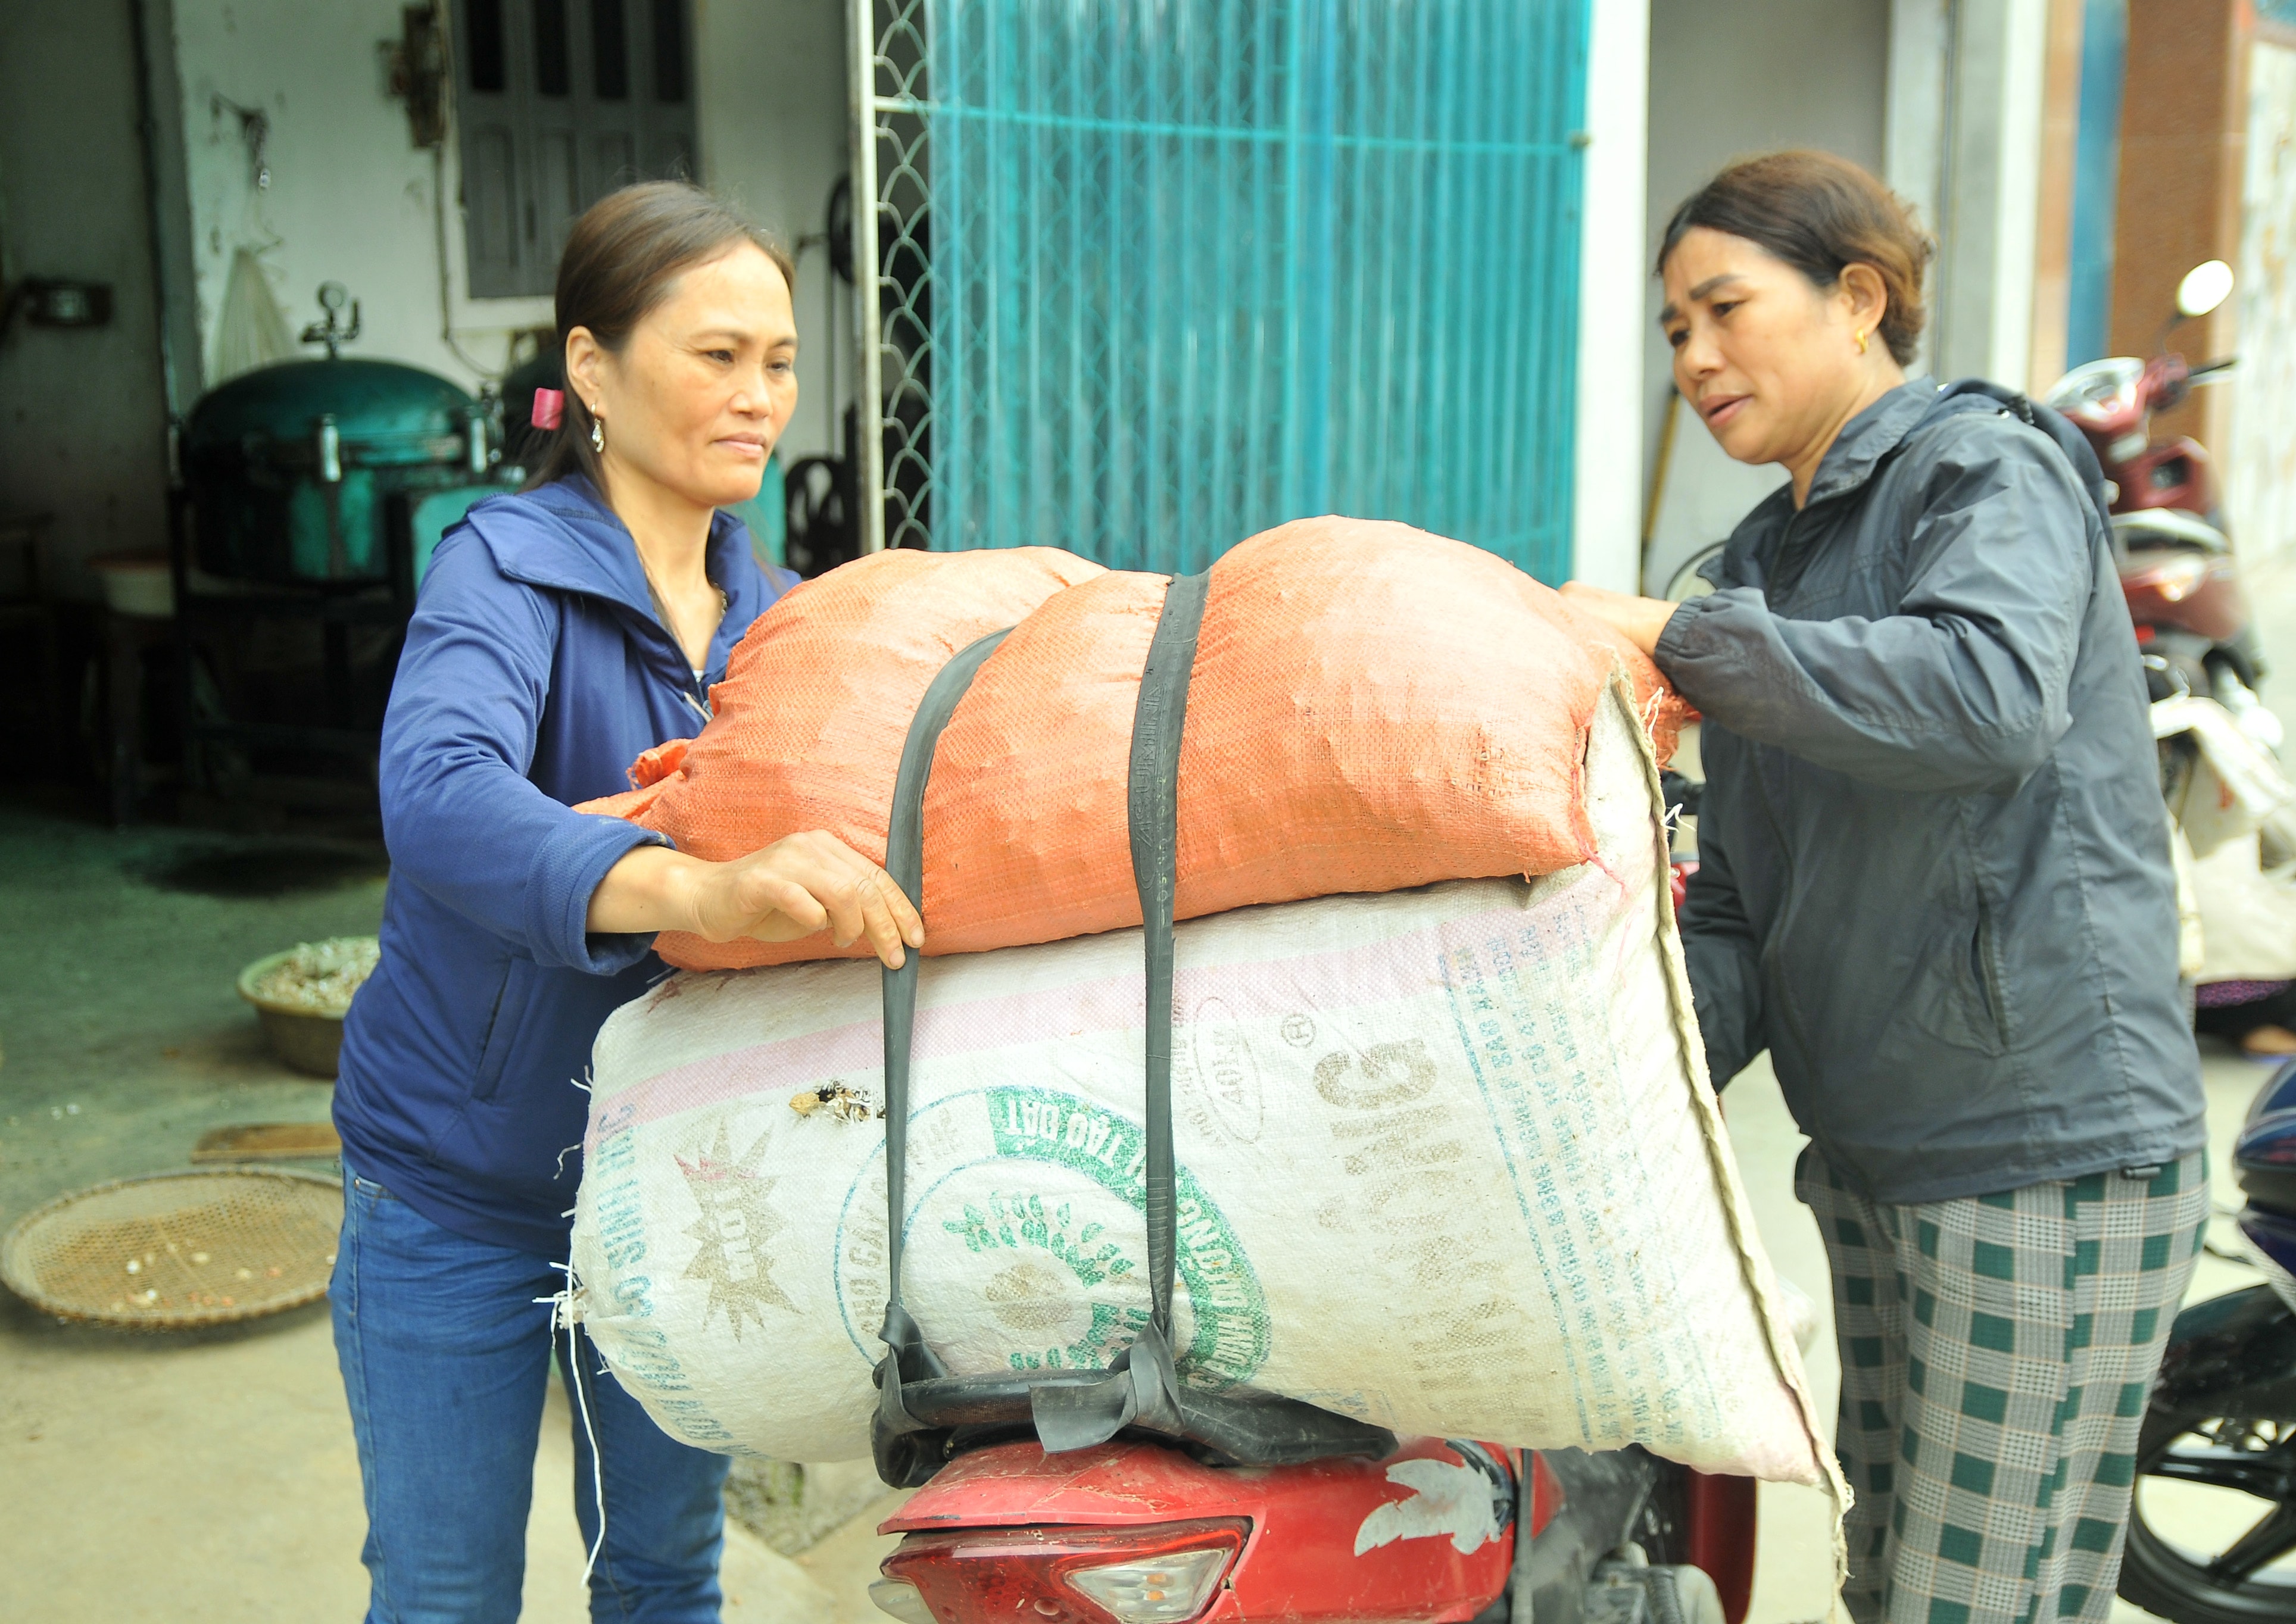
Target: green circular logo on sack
(1231, 1330)
(1066, 1287)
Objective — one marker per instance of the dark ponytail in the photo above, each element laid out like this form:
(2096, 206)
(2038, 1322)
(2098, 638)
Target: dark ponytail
(618, 263)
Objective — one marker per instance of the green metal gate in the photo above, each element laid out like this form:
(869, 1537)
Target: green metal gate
(1155, 275)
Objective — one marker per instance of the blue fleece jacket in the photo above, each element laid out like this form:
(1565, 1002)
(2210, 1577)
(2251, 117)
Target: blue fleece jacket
(535, 672)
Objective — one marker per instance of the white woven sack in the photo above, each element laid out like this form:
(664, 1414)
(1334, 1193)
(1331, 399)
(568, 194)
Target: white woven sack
(1448, 1162)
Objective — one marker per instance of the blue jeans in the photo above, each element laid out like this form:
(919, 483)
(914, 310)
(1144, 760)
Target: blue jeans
(446, 1357)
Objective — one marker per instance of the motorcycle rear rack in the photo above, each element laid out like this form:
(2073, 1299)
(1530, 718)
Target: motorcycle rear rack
(922, 1408)
(1232, 1429)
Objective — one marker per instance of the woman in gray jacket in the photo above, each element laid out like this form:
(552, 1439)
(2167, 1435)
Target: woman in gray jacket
(1935, 885)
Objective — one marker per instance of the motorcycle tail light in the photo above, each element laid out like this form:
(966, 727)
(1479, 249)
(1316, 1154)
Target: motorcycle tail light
(901, 1598)
(1165, 1573)
(1162, 1590)
(2174, 576)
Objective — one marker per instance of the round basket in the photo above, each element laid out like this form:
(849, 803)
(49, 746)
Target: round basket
(306, 1041)
(172, 1251)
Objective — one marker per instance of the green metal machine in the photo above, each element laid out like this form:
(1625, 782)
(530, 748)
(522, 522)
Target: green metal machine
(293, 468)
(312, 493)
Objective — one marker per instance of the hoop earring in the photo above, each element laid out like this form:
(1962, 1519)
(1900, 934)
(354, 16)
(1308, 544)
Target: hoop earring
(598, 424)
(1861, 340)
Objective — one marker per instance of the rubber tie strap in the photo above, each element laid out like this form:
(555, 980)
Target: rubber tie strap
(908, 1357)
(1141, 1386)
(1154, 809)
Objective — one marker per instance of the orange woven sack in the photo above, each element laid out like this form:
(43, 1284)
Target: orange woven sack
(807, 729)
(1371, 707)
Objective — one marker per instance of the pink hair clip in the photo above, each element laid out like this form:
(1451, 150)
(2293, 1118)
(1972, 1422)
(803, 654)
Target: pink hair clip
(549, 408)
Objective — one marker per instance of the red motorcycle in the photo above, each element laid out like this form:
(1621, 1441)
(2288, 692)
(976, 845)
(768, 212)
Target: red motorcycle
(2175, 561)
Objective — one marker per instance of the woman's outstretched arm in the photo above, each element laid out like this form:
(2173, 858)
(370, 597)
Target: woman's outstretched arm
(795, 886)
(574, 889)
(1965, 689)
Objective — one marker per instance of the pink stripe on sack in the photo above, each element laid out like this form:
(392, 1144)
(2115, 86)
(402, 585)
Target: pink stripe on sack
(1370, 973)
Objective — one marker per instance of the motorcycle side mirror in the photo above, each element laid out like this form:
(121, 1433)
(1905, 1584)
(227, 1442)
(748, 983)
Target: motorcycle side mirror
(2204, 287)
(2167, 381)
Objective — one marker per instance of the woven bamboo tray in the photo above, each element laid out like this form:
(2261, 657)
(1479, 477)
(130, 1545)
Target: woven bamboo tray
(173, 1250)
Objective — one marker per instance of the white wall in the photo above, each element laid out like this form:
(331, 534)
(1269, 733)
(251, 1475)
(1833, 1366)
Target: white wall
(1727, 81)
(774, 140)
(1606, 518)
(352, 201)
(2259, 462)
(1914, 161)
(1966, 96)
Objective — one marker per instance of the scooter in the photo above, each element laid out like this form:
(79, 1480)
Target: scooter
(1155, 1525)
(2212, 1529)
(2175, 561)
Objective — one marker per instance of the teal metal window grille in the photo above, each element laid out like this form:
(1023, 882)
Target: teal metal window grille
(1155, 275)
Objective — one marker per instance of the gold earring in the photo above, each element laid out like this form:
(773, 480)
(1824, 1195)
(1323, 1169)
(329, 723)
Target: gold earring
(1861, 340)
(598, 427)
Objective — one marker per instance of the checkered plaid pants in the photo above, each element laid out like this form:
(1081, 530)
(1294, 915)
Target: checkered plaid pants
(1996, 1355)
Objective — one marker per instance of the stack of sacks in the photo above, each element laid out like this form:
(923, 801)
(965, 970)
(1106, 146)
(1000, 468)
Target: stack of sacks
(1448, 1160)
(1372, 708)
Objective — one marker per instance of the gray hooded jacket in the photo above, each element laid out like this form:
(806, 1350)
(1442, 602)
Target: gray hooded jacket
(1935, 879)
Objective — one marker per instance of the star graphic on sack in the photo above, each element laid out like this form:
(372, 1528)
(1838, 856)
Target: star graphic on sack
(736, 1222)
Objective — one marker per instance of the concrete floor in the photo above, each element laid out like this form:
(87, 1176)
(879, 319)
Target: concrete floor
(213, 1477)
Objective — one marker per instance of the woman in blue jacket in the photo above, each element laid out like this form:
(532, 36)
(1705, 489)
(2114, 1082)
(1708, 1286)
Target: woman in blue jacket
(560, 632)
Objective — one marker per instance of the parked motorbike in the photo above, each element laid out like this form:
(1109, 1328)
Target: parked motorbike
(2175, 561)
(2212, 1530)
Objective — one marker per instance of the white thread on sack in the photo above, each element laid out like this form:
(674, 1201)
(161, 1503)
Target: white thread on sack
(587, 1085)
(562, 1313)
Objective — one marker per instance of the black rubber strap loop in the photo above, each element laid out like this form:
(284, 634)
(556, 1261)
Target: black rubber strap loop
(1142, 1387)
(1154, 809)
(905, 861)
